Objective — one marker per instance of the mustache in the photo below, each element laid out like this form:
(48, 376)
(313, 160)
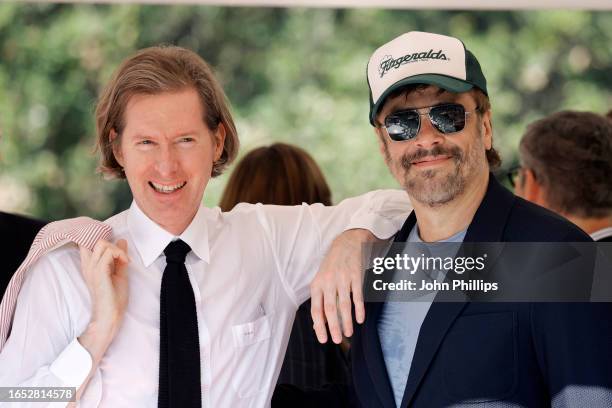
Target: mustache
(451, 151)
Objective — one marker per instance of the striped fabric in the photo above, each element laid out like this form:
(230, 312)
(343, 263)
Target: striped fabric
(82, 231)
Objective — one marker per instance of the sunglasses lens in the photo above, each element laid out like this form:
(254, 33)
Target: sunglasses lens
(448, 118)
(402, 125)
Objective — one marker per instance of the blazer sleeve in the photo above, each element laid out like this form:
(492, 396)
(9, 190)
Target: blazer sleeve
(573, 343)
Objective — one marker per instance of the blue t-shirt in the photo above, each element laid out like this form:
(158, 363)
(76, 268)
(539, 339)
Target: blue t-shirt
(398, 329)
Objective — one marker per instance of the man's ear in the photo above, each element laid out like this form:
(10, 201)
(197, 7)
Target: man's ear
(487, 130)
(531, 189)
(112, 138)
(219, 139)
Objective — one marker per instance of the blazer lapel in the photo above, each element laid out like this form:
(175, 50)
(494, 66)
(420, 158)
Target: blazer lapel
(371, 341)
(439, 319)
(490, 219)
(486, 226)
(374, 357)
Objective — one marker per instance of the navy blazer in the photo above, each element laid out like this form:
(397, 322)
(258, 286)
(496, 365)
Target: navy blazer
(494, 354)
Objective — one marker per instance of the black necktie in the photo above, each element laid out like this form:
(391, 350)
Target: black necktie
(179, 346)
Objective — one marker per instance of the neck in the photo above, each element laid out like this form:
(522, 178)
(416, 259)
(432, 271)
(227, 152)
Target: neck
(444, 221)
(179, 226)
(590, 225)
(175, 229)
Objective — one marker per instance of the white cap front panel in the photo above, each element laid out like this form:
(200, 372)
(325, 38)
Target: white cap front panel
(415, 53)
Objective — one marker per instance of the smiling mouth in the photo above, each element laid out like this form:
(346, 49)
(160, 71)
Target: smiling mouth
(167, 189)
(431, 160)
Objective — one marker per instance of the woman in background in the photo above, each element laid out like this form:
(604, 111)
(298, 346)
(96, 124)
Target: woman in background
(286, 175)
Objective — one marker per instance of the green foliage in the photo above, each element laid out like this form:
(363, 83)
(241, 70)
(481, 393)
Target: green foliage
(292, 75)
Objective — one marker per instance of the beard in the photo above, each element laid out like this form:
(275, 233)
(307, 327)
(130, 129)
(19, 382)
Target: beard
(436, 187)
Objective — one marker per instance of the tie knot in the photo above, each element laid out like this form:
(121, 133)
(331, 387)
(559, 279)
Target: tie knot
(176, 251)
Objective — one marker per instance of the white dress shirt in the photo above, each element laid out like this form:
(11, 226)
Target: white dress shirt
(250, 269)
(602, 233)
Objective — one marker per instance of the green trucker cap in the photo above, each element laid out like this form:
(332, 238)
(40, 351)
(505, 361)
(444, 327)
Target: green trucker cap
(417, 57)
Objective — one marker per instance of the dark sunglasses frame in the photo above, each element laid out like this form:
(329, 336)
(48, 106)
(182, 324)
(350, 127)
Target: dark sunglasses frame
(431, 113)
(514, 173)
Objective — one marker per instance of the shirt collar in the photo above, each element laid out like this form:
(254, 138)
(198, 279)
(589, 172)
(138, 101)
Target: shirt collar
(150, 239)
(602, 233)
(415, 236)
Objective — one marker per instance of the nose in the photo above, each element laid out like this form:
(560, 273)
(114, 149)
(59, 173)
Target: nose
(428, 135)
(167, 161)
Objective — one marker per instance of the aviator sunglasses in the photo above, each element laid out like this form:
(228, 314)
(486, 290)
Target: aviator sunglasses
(405, 124)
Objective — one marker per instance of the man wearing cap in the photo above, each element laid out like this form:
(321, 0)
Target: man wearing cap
(432, 116)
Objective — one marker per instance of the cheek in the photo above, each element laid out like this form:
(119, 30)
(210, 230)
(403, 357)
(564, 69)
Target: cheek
(143, 165)
(471, 144)
(199, 162)
(135, 162)
(129, 161)
(400, 150)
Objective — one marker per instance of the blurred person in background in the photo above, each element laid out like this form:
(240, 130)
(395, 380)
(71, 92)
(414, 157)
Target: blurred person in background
(283, 174)
(566, 166)
(16, 235)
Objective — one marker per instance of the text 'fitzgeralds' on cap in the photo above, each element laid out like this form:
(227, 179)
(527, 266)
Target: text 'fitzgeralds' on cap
(421, 58)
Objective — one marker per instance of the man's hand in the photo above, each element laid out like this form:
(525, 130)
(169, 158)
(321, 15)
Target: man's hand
(105, 273)
(340, 274)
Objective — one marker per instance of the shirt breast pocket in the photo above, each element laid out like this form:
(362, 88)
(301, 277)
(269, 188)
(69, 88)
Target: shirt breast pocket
(253, 358)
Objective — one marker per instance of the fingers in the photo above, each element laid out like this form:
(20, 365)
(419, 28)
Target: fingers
(106, 253)
(339, 276)
(331, 313)
(85, 255)
(344, 303)
(316, 311)
(98, 250)
(107, 258)
(325, 309)
(357, 290)
(122, 246)
(119, 255)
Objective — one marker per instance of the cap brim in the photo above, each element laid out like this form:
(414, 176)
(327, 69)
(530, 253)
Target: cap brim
(442, 81)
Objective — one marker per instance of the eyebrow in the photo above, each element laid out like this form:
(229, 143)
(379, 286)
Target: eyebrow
(188, 133)
(146, 135)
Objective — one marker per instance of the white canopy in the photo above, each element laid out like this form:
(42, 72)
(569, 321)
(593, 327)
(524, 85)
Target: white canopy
(393, 4)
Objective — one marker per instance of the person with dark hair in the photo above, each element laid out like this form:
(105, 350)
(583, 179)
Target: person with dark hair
(283, 174)
(278, 174)
(184, 306)
(430, 110)
(566, 166)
